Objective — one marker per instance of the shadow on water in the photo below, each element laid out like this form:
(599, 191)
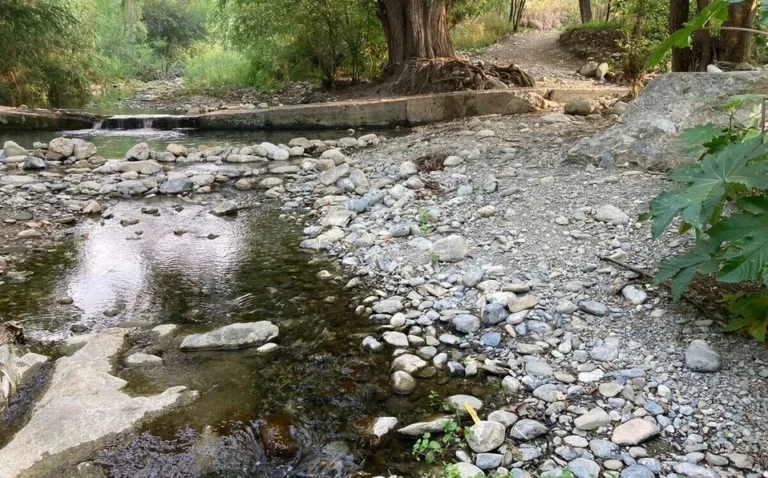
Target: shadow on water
(301, 410)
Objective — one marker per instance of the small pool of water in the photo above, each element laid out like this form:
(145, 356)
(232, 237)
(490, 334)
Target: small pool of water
(113, 144)
(300, 411)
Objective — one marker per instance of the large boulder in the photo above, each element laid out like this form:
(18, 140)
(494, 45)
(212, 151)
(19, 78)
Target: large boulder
(61, 148)
(83, 149)
(12, 149)
(140, 152)
(232, 336)
(648, 132)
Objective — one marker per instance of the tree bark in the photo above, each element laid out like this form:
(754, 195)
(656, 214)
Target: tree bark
(682, 58)
(702, 40)
(736, 45)
(585, 8)
(415, 29)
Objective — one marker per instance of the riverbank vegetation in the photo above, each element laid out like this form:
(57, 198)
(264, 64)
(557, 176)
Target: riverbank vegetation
(63, 52)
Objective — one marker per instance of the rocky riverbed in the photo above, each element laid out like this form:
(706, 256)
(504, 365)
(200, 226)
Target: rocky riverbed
(479, 249)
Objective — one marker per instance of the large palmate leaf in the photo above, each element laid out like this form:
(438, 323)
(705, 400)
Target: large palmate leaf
(683, 268)
(709, 183)
(747, 257)
(701, 135)
(752, 312)
(754, 204)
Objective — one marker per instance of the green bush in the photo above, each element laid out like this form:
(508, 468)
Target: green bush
(724, 200)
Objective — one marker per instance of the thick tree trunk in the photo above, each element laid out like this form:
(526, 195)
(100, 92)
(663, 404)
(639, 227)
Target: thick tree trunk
(415, 29)
(585, 8)
(682, 58)
(736, 45)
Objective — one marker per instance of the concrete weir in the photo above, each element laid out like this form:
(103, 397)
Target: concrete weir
(400, 111)
(379, 112)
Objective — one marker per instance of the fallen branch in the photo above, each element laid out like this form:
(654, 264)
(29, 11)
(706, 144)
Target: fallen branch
(686, 298)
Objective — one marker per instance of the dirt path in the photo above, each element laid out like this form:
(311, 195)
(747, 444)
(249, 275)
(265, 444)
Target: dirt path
(539, 53)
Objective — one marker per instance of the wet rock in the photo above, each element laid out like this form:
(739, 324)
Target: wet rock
(456, 403)
(132, 187)
(138, 360)
(701, 358)
(634, 432)
(383, 426)
(177, 183)
(418, 429)
(83, 149)
(450, 249)
(488, 461)
(232, 336)
(275, 153)
(396, 339)
(486, 436)
(93, 207)
(225, 208)
(33, 163)
(388, 306)
(408, 363)
(277, 437)
(402, 382)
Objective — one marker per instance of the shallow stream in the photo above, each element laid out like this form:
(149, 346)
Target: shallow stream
(302, 410)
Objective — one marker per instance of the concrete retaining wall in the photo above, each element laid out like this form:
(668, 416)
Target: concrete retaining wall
(403, 111)
(12, 118)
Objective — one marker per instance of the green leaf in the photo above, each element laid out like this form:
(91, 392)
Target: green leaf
(700, 135)
(737, 227)
(737, 101)
(709, 184)
(754, 204)
(683, 268)
(752, 312)
(746, 260)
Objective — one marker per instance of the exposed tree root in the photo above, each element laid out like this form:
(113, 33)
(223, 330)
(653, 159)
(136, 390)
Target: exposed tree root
(431, 162)
(420, 76)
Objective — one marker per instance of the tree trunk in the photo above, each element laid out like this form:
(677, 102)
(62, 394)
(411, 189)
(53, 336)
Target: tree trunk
(702, 41)
(415, 29)
(682, 58)
(585, 8)
(736, 45)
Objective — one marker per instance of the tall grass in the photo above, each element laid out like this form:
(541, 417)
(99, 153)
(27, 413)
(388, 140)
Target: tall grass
(215, 65)
(480, 31)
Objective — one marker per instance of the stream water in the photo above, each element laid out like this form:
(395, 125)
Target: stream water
(302, 410)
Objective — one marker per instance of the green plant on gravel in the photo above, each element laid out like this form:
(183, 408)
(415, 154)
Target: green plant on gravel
(724, 200)
(424, 218)
(429, 447)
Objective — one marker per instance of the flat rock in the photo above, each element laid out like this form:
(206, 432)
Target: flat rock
(450, 249)
(436, 425)
(225, 208)
(232, 336)
(634, 432)
(592, 420)
(528, 430)
(84, 408)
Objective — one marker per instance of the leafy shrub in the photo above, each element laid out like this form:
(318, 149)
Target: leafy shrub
(724, 200)
(214, 65)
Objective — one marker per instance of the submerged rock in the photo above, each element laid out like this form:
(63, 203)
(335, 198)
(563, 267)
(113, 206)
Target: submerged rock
(225, 208)
(232, 336)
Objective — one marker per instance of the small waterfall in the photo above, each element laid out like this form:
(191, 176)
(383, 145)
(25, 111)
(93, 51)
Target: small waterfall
(148, 122)
(97, 125)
